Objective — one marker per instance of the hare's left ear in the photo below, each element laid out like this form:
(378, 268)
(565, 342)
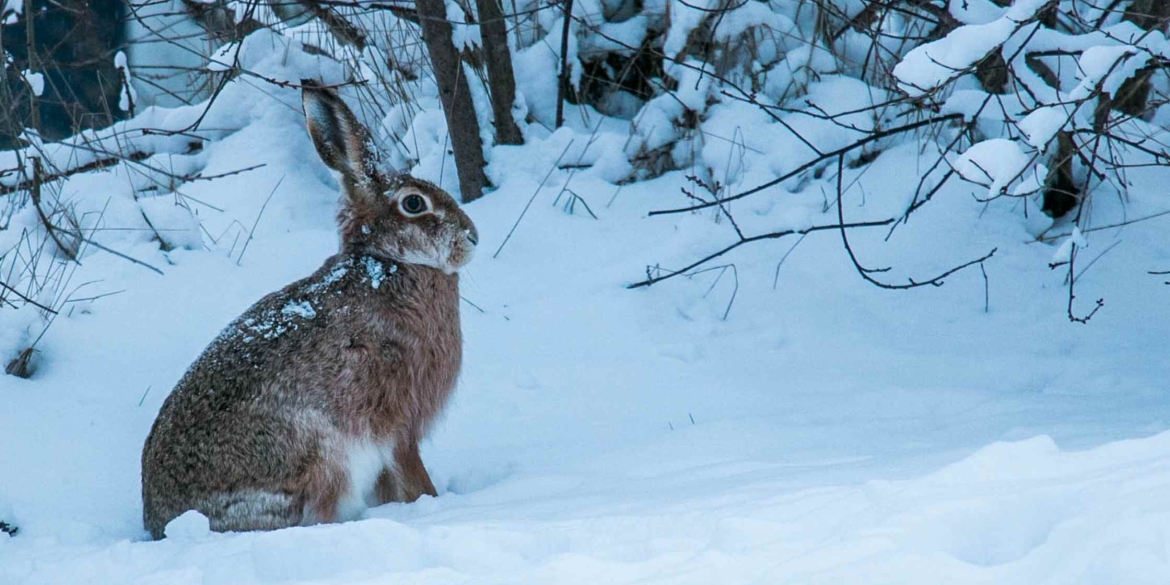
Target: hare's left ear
(341, 141)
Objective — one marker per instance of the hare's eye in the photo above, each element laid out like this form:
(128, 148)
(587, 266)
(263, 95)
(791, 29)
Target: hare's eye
(414, 204)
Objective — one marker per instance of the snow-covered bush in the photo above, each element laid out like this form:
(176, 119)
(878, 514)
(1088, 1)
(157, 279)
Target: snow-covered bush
(1046, 101)
(1043, 100)
(1055, 99)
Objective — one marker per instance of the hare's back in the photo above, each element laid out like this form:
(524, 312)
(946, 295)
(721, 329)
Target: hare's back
(246, 417)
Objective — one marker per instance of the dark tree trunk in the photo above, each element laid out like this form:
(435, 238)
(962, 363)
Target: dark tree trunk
(9, 107)
(563, 78)
(494, 32)
(455, 94)
(72, 44)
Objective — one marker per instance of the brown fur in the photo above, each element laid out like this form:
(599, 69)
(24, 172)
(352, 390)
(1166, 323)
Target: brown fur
(365, 352)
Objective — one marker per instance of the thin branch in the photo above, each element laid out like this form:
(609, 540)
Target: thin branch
(1072, 257)
(866, 272)
(26, 299)
(531, 199)
(35, 194)
(840, 152)
(252, 231)
(748, 240)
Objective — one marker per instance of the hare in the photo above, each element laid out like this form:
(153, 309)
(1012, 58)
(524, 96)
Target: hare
(310, 406)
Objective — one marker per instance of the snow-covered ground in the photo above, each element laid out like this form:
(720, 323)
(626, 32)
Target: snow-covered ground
(824, 431)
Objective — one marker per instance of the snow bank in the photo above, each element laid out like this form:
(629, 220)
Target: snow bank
(1024, 512)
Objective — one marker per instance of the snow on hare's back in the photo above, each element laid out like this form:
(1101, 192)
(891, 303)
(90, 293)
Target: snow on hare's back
(311, 405)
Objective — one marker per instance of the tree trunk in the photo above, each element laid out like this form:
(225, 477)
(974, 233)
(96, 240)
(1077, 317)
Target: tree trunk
(563, 78)
(494, 32)
(71, 43)
(462, 125)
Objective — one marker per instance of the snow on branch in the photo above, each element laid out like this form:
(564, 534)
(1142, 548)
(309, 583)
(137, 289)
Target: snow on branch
(933, 65)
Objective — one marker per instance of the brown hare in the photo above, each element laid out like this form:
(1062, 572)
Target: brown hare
(310, 406)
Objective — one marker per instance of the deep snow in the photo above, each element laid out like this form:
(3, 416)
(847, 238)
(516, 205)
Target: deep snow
(825, 431)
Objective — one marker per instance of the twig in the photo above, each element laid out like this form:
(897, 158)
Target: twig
(94, 297)
(477, 307)
(571, 203)
(776, 277)
(531, 199)
(1098, 257)
(986, 291)
(112, 160)
(35, 193)
(1072, 295)
(252, 231)
(840, 152)
(1051, 238)
(748, 240)
(722, 270)
(26, 299)
(116, 253)
(865, 272)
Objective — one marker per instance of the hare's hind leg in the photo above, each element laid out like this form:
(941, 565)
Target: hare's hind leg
(314, 500)
(323, 487)
(308, 493)
(245, 510)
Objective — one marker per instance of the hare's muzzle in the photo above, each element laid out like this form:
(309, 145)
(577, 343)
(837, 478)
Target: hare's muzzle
(462, 248)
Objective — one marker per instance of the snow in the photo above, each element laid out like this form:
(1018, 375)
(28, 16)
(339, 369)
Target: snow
(35, 81)
(933, 64)
(464, 36)
(1032, 182)
(780, 421)
(1064, 252)
(160, 38)
(190, 525)
(1107, 67)
(1012, 512)
(299, 309)
(997, 162)
(684, 17)
(975, 11)
(1041, 126)
(375, 271)
(224, 58)
(334, 275)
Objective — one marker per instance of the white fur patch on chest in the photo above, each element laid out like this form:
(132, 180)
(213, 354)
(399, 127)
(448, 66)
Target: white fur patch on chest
(364, 462)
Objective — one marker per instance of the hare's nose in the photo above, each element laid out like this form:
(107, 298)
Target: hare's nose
(472, 237)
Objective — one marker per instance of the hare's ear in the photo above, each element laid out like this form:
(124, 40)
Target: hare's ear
(341, 141)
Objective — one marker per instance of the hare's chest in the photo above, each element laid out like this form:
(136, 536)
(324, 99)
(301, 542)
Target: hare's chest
(364, 463)
(416, 364)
